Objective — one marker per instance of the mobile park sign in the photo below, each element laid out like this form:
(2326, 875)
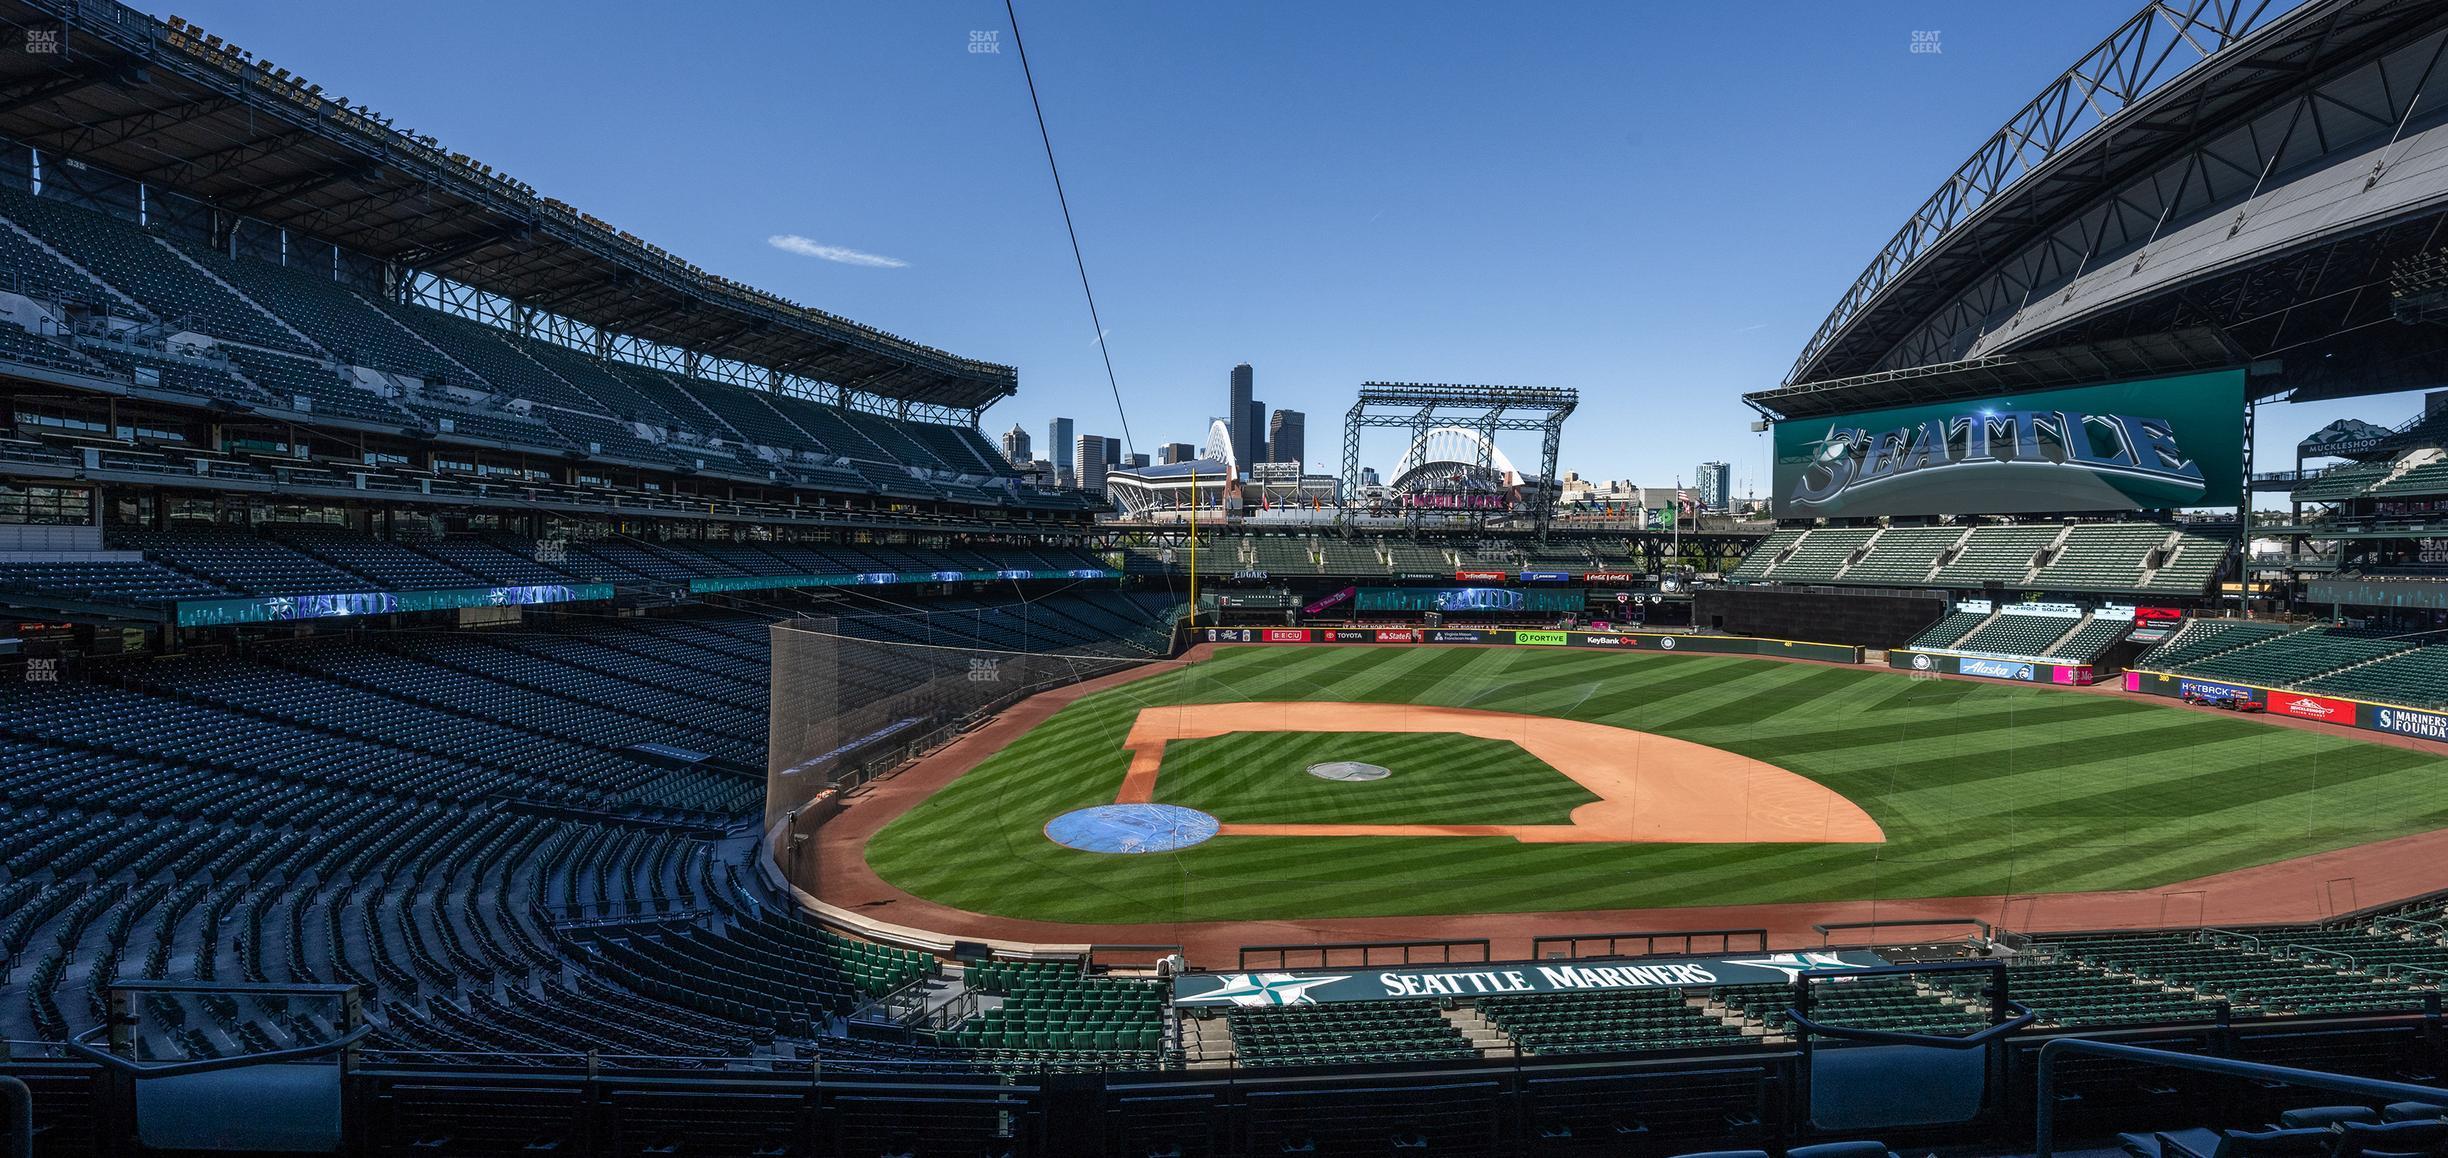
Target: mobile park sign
(1321, 986)
(2143, 445)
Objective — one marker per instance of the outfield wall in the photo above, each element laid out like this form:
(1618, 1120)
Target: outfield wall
(2363, 715)
(1991, 667)
(1511, 637)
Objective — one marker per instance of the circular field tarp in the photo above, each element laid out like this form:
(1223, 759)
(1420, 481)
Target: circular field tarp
(1348, 770)
(1131, 828)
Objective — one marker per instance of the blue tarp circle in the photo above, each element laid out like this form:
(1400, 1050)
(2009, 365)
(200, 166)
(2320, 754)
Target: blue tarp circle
(1131, 828)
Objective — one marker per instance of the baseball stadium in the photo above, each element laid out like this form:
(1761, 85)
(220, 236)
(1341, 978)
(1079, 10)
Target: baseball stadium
(482, 684)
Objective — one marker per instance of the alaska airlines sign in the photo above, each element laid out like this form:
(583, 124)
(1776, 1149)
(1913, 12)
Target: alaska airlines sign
(2165, 442)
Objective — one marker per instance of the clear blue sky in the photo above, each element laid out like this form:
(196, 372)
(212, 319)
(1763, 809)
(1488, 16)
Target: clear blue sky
(1655, 203)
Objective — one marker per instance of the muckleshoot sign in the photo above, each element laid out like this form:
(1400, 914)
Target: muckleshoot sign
(2144, 445)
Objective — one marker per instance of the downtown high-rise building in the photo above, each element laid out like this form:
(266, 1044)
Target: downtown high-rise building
(1015, 445)
(1173, 452)
(1247, 435)
(1092, 453)
(1713, 486)
(1287, 437)
(1059, 447)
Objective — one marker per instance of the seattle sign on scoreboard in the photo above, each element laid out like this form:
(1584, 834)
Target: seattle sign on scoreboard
(2143, 445)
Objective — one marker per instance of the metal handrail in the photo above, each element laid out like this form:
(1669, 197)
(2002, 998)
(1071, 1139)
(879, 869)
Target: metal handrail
(80, 1047)
(2436, 929)
(2045, 1124)
(2015, 1014)
(2315, 952)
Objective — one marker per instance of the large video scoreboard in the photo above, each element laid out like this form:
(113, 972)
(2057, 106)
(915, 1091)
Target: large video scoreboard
(2143, 445)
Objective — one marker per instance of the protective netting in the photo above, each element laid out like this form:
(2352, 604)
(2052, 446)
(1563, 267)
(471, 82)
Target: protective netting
(846, 708)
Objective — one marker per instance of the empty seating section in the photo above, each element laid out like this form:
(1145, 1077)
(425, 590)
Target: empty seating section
(148, 270)
(1345, 1033)
(1822, 554)
(1996, 554)
(2343, 482)
(2430, 478)
(2332, 661)
(337, 318)
(324, 391)
(2351, 967)
(134, 581)
(2417, 677)
(27, 268)
(2199, 639)
(1897, 1004)
(1946, 632)
(1763, 556)
(2196, 560)
(1610, 1022)
(1903, 556)
(2017, 635)
(2093, 639)
(1417, 559)
(2102, 557)
(2295, 656)
(452, 823)
(1280, 556)
(1344, 557)
(1048, 1007)
(243, 563)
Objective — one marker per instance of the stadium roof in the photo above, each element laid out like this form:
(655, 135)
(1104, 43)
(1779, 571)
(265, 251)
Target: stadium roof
(2161, 84)
(2178, 352)
(166, 104)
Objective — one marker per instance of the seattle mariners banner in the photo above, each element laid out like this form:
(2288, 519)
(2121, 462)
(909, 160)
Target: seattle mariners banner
(2144, 445)
(1319, 986)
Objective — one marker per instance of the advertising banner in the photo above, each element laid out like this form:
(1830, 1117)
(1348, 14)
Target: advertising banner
(1608, 577)
(1539, 638)
(1996, 669)
(1479, 576)
(2312, 707)
(286, 608)
(2141, 445)
(717, 584)
(1546, 576)
(2405, 722)
(1287, 635)
(1361, 983)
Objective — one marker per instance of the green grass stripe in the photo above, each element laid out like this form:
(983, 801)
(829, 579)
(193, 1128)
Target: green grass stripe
(1980, 787)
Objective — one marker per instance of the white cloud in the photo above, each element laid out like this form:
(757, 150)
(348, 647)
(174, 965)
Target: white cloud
(809, 247)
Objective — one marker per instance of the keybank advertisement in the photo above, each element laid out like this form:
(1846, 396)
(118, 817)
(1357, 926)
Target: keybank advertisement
(1323, 986)
(2158, 442)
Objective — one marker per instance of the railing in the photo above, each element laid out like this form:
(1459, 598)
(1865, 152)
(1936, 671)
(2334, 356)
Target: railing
(1754, 941)
(1827, 931)
(2316, 953)
(2045, 1126)
(1412, 952)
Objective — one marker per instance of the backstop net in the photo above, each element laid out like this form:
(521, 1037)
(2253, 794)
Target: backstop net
(853, 700)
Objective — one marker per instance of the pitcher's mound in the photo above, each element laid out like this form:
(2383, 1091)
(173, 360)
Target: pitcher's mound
(1348, 770)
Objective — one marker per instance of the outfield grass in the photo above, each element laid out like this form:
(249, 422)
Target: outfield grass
(1981, 788)
(1438, 778)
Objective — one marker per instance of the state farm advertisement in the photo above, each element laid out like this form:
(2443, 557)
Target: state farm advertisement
(2312, 707)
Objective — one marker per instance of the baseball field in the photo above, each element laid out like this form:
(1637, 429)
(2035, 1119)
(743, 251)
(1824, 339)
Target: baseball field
(1534, 780)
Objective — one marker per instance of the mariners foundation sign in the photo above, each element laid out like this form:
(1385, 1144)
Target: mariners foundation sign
(2146, 445)
(1317, 986)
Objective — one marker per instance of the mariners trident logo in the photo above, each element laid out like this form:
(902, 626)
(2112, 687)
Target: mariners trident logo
(1261, 989)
